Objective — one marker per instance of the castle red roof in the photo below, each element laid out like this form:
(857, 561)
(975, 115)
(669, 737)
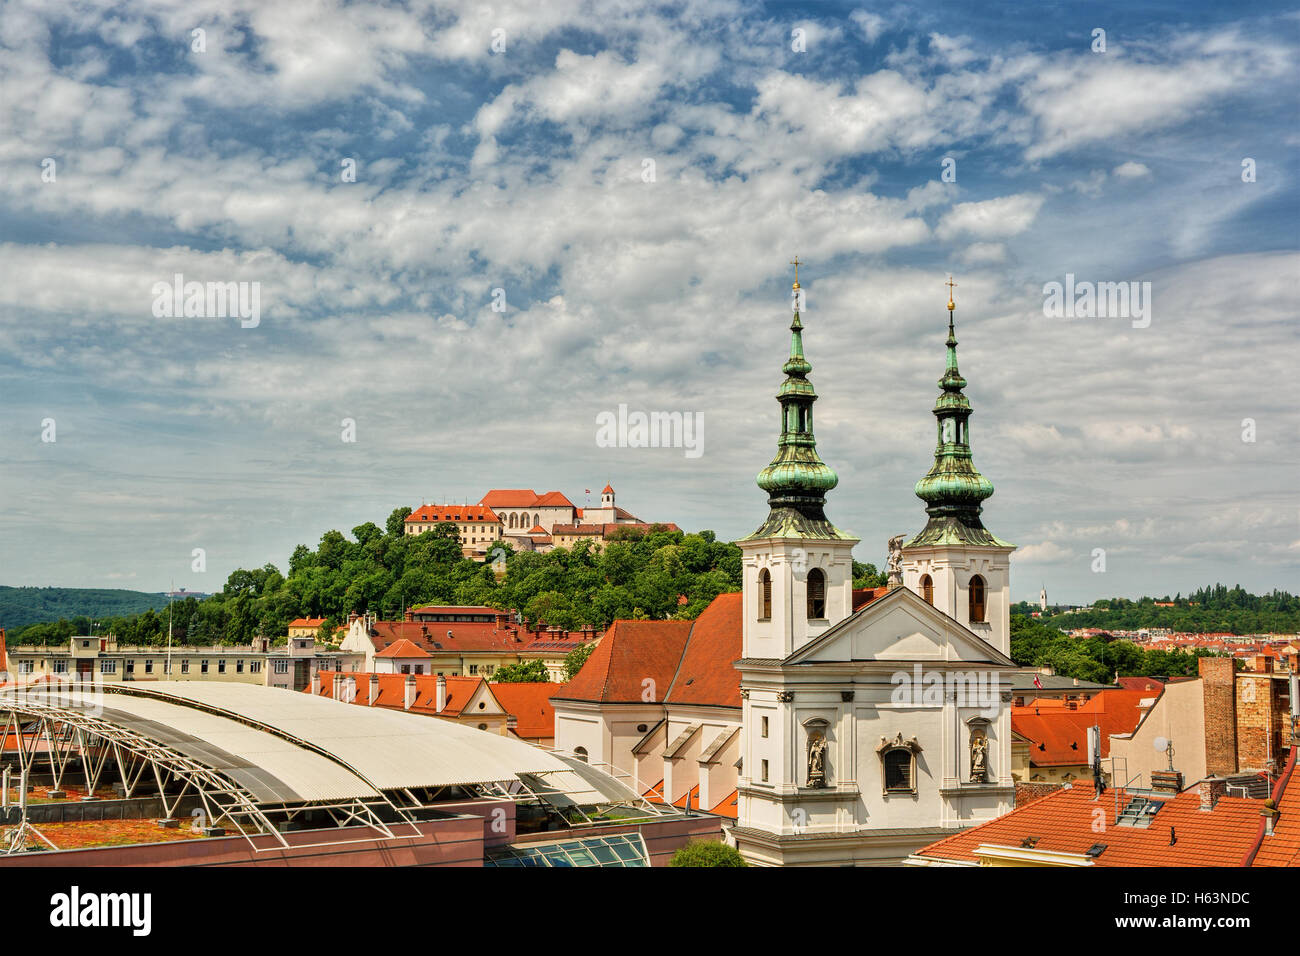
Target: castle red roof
(607, 490)
(307, 622)
(453, 513)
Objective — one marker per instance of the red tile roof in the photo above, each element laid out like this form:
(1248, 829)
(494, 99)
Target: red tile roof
(530, 705)
(1066, 822)
(607, 490)
(729, 806)
(1282, 847)
(1058, 735)
(509, 498)
(1140, 683)
(604, 530)
(392, 691)
(402, 648)
(864, 596)
(552, 499)
(706, 673)
(465, 636)
(631, 653)
(453, 513)
(307, 622)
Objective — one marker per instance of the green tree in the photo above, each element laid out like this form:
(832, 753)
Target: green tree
(574, 660)
(707, 853)
(525, 672)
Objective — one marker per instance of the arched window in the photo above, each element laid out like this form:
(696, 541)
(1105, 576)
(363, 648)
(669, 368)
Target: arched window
(512, 520)
(764, 595)
(816, 594)
(977, 600)
(927, 588)
(581, 753)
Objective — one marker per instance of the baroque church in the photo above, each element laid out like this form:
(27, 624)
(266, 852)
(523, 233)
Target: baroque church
(836, 726)
(871, 728)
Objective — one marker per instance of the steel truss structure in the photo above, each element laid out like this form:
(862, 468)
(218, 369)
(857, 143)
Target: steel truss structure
(80, 746)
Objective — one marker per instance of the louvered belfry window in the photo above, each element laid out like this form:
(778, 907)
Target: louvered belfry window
(765, 595)
(816, 594)
(977, 599)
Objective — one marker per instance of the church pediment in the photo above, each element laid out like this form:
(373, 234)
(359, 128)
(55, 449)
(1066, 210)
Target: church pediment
(898, 627)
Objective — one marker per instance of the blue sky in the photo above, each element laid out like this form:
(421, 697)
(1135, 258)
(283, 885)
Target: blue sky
(522, 169)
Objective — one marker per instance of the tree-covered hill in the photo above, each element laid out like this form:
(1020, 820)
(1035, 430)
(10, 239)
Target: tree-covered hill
(20, 606)
(641, 574)
(1217, 608)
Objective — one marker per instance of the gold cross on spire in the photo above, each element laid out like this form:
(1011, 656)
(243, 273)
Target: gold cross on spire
(796, 263)
(951, 285)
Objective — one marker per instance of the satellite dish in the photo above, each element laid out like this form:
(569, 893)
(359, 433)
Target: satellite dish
(1161, 744)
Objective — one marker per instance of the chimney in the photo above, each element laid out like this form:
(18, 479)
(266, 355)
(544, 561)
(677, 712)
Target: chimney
(315, 683)
(374, 689)
(1211, 789)
(408, 701)
(1269, 813)
(440, 701)
(409, 615)
(424, 630)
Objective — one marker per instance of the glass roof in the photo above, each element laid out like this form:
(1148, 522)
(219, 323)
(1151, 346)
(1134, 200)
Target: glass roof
(619, 849)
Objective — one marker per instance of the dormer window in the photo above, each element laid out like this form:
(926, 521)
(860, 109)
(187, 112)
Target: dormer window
(816, 594)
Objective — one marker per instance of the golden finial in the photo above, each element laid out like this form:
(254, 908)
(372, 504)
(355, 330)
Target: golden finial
(796, 263)
(951, 285)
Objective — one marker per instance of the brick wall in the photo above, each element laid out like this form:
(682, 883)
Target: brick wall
(1029, 792)
(1262, 720)
(1217, 674)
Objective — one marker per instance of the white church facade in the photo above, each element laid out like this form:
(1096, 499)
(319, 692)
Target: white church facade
(868, 734)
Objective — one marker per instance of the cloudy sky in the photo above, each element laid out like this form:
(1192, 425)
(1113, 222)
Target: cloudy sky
(635, 178)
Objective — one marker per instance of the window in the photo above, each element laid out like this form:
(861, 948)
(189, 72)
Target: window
(282, 667)
(977, 600)
(130, 667)
(85, 643)
(580, 753)
(764, 731)
(24, 667)
(203, 667)
(254, 667)
(764, 595)
(221, 666)
(473, 668)
(107, 667)
(927, 588)
(816, 594)
(898, 771)
(406, 668)
(239, 667)
(185, 666)
(60, 667)
(764, 771)
(148, 667)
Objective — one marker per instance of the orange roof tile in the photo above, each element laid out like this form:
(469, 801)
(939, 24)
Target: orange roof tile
(1058, 734)
(530, 705)
(402, 648)
(392, 691)
(631, 653)
(509, 498)
(453, 513)
(307, 622)
(1066, 822)
(1282, 846)
(706, 673)
(729, 806)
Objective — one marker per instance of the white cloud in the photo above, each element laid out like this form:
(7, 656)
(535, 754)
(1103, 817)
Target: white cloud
(998, 218)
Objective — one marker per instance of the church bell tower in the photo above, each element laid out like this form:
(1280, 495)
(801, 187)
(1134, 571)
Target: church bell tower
(798, 567)
(955, 563)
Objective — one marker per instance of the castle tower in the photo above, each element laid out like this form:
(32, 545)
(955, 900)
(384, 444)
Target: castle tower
(798, 567)
(955, 563)
(607, 497)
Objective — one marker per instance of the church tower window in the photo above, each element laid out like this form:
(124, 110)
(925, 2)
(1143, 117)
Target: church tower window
(977, 600)
(898, 771)
(765, 595)
(927, 588)
(816, 594)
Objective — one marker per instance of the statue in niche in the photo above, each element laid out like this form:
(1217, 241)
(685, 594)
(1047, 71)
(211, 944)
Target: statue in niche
(816, 761)
(979, 763)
